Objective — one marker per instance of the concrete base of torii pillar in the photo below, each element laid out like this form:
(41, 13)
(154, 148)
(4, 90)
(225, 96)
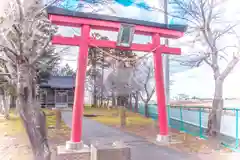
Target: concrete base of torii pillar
(73, 150)
(163, 139)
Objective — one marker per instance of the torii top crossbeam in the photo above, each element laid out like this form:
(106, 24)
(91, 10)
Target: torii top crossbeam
(65, 17)
(98, 21)
(88, 21)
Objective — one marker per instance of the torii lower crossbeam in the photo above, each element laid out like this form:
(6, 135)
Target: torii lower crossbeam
(86, 23)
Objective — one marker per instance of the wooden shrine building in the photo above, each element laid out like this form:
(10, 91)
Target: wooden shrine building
(57, 91)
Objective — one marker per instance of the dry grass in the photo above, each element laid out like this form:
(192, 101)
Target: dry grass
(147, 128)
(12, 126)
(14, 141)
(111, 117)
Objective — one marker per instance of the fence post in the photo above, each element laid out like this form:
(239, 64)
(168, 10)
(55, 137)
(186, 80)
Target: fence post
(237, 140)
(200, 123)
(169, 118)
(181, 119)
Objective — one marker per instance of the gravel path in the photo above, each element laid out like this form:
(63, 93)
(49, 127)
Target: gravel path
(140, 148)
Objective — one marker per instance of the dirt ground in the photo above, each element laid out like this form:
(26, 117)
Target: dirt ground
(144, 127)
(14, 147)
(17, 147)
(14, 141)
(179, 141)
(184, 143)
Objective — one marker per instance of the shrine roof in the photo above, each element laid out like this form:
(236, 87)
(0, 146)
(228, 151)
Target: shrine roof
(61, 82)
(65, 12)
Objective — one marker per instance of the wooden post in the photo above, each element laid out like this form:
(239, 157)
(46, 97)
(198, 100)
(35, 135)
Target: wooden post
(122, 116)
(58, 115)
(58, 119)
(55, 98)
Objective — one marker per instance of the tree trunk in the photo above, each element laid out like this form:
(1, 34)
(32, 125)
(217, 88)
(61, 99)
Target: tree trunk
(35, 126)
(215, 116)
(17, 109)
(107, 104)
(5, 104)
(130, 102)
(99, 105)
(101, 102)
(113, 100)
(94, 65)
(136, 103)
(13, 102)
(1, 104)
(102, 78)
(146, 109)
(95, 101)
(33, 118)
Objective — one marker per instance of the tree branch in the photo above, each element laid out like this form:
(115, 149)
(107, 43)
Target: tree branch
(9, 41)
(208, 62)
(229, 67)
(142, 98)
(20, 10)
(42, 51)
(4, 48)
(152, 93)
(209, 18)
(47, 5)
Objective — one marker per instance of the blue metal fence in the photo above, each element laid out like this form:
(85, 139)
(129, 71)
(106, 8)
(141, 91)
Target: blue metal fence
(193, 120)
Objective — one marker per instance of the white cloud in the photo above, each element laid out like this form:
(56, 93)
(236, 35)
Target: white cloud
(3, 6)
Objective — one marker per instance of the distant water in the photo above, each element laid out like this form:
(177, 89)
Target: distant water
(229, 124)
(227, 104)
(232, 103)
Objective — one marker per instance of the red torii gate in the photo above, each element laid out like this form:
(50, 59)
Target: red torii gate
(88, 21)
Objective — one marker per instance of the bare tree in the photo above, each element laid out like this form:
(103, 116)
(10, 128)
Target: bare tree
(135, 95)
(5, 100)
(96, 67)
(63, 71)
(5, 89)
(149, 87)
(216, 42)
(101, 60)
(25, 36)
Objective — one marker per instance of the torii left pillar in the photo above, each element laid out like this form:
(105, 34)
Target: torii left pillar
(78, 106)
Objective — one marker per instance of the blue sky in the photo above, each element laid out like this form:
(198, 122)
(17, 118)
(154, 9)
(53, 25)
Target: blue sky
(144, 8)
(194, 82)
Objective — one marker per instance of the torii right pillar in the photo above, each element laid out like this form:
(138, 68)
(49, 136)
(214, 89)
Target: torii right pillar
(163, 135)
